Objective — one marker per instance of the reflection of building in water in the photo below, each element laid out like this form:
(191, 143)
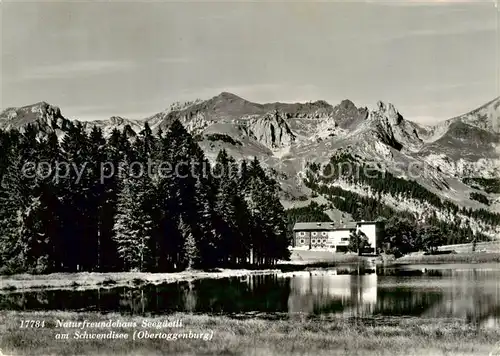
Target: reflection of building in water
(491, 322)
(314, 292)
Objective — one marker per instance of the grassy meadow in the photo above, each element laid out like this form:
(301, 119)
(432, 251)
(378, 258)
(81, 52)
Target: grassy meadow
(313, 258)
(295, 336)
(86, 280)
(466, 257)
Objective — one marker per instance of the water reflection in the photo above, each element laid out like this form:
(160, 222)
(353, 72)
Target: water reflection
(471, 294)
(330, 292)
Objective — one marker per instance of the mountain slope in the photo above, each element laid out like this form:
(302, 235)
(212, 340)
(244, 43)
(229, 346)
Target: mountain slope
(288, 138)
(486, 117)
(48, 118)
(42, 115)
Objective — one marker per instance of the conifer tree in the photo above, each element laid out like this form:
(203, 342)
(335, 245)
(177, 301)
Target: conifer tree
(190, 253)
(73, 184)
(268, 224)
(94, 216)
(206, 194)
(25, 243)
(358, 242)
(14, 197)
(132, 227)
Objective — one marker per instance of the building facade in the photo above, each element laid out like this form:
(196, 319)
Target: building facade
(334, 236)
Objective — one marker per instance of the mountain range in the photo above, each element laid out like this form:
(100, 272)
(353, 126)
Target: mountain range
(457, 159)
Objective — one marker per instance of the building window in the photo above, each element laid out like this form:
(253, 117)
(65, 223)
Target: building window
(313, 241)
(314, 233)
(344, 239)
(302, 233)
(301, 241)
(323, 233)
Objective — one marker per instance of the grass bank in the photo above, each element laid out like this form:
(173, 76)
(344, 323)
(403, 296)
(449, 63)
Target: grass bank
(87, 280)
(298, 336)
(309, 257)
(470, 257)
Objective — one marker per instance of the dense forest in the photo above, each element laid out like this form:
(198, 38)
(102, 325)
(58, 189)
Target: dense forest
(368, 208)
(86, 203)
(402, 236)
(489, 185)
(383, 182)
(480, 198)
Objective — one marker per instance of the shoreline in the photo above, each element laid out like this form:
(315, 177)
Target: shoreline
(312, 258)
(465, 257)
(252, 336)
(93, 280)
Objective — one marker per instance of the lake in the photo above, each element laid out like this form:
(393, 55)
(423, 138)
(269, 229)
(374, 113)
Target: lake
(468, 292)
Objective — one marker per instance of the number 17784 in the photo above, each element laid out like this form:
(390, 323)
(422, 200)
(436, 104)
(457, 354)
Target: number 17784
(32, 324)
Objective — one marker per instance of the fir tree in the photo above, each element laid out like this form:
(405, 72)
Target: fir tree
(132, 228)
(358, 242)
(190, 250)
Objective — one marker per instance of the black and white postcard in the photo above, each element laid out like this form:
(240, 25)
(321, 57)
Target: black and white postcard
(241, 178)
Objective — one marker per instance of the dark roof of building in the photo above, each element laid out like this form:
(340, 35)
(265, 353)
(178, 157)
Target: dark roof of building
(325, 226)
(362, 222)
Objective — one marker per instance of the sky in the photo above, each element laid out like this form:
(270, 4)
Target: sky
(433, 60)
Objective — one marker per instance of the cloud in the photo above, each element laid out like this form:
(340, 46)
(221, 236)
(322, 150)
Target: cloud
(76, 69)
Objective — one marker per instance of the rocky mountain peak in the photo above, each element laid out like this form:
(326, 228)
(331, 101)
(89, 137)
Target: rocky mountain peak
(347, 105)
(389, 111)
(116, 120)
(43, 115)
(348, 116)
(285, 135)
(224, 99)
(228, 96)
(486, 117)
(275, 115)
(272, 130)
(44, 107)
(389, 126)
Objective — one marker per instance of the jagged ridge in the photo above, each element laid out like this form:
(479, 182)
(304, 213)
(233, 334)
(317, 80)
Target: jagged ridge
(285, 135)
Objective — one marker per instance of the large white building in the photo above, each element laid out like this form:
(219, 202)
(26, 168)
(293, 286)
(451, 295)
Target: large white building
(335, 236)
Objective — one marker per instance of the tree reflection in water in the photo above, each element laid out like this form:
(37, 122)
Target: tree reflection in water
(470, 294)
